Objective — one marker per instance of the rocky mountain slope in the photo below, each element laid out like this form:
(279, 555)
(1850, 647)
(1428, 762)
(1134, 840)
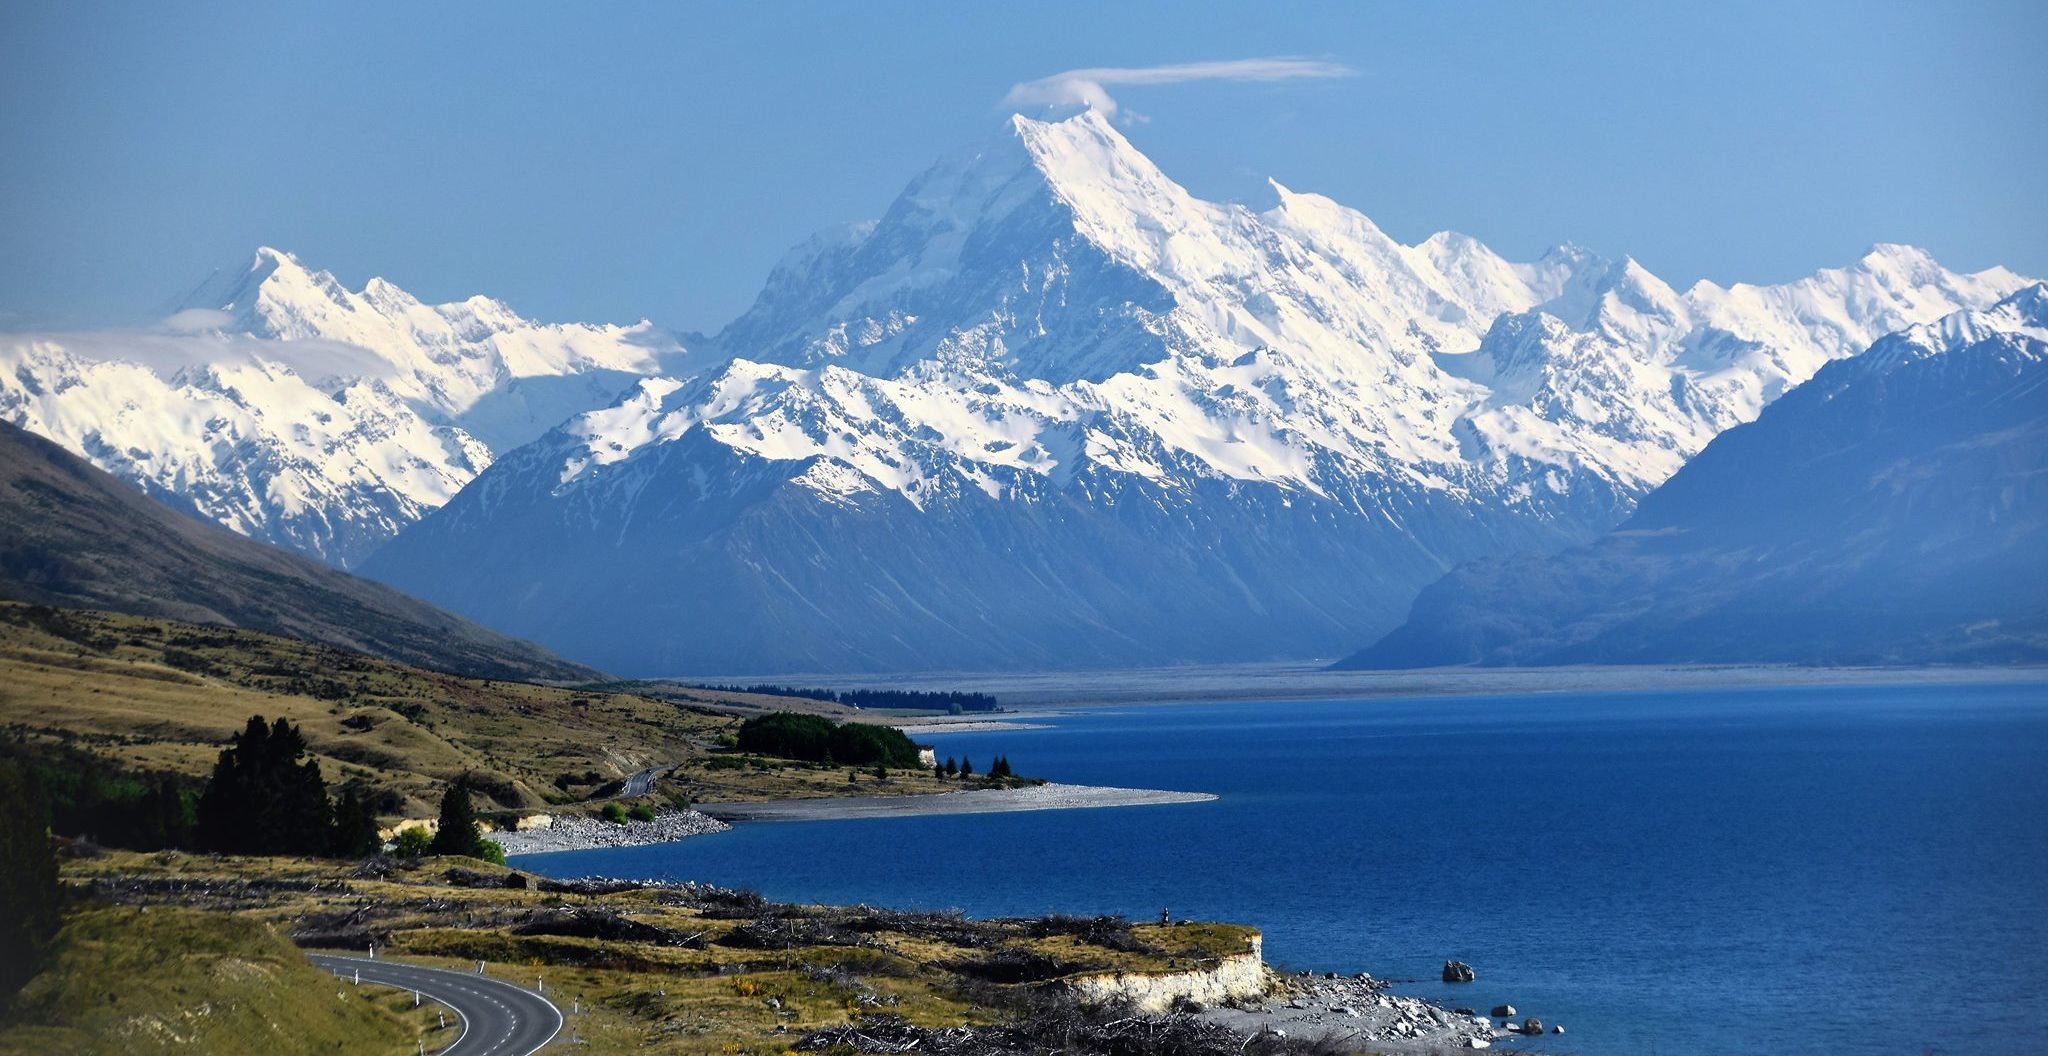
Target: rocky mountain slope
(73, 535)
(1893, 509)
(301, 413)
(1051, 409)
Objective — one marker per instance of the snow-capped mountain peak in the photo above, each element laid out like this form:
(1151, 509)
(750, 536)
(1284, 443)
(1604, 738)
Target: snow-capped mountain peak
(445, 358)
(308, 414)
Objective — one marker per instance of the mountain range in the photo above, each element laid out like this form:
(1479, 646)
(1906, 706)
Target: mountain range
(1050, 409)
(1893, 509)
(296, 411)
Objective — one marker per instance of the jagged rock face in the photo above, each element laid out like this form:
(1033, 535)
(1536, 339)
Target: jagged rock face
(1053, 410)
(1890, 510)
(300, 413)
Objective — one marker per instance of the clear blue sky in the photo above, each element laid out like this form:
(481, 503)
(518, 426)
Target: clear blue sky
(607, 162)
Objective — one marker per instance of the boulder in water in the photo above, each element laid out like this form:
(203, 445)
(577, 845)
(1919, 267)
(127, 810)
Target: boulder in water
(1504, 1011)
(1458, 972)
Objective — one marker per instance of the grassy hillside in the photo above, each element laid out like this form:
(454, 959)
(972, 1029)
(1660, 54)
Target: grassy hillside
(132, 980)
(73, 535)
(158, 695)
(682, 970)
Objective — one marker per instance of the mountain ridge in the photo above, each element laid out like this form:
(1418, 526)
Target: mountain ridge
(77, 536)
(1886, 511)
(1050, 390)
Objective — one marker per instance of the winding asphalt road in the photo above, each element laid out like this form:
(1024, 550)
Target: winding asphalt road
(498, 1019)
(642, 782)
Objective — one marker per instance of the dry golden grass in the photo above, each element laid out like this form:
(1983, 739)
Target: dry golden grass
(158, 695)
(709, 997)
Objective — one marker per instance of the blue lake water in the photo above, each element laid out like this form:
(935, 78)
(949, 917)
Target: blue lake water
(1848, 870)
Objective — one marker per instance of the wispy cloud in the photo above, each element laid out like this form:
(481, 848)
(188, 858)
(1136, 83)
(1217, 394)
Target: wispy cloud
(188, 339)
(1087, 86)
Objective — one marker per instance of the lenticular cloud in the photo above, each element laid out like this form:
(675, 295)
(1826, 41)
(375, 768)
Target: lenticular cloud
(1084, 87)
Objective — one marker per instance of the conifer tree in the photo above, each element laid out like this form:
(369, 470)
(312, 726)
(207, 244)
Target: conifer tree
(28, 880)
(355, 827)
(457, 832)
(266, 795)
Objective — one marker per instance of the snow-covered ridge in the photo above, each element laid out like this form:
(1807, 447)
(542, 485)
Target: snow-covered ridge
(1050, 408)
(292, 409)
(1052, 297)
(447, 359)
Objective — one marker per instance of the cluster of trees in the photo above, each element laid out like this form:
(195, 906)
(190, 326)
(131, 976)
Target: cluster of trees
(28, 878)
(817, 739)
(1000, 768)
(83, 793)
(266, 796)
(903, 699)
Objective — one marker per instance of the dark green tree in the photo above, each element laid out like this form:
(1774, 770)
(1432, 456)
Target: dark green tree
(266, 795)
(457, 832)
(966, 768)
(881, 772)
(28, 880)
(939, 770)
(355, 827)
(952, 768)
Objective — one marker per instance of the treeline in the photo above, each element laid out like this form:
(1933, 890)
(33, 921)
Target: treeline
(998, 770)
(82, 794)
(902, 699)
(265, 796)
(817, 739)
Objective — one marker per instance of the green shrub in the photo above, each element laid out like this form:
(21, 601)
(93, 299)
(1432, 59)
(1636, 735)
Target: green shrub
(816, 739)
(411, 843)
(641, 812)
(613, 813)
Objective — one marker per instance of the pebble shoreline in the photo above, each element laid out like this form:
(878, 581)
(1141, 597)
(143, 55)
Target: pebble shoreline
(572, 833)
(1357, 1010)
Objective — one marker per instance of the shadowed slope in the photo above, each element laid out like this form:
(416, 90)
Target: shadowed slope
(71, 534)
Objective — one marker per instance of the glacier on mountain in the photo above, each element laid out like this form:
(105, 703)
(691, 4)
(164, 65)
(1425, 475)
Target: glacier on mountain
(1051, 408)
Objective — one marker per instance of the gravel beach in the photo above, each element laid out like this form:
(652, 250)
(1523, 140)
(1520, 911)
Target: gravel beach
(575, 833)
(933, 728)
(974, 801)
(1358, 1010)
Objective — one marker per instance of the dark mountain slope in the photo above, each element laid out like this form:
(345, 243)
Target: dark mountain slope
(1894, 509)
(73, 535)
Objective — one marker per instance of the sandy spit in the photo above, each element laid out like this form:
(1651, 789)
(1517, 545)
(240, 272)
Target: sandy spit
(973, 801)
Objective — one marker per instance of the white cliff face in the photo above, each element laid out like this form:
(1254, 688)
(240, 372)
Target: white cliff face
(297, 412)
(1051, 408)
(1243, 977)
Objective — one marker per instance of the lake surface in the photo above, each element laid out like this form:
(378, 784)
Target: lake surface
(1844, 870)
